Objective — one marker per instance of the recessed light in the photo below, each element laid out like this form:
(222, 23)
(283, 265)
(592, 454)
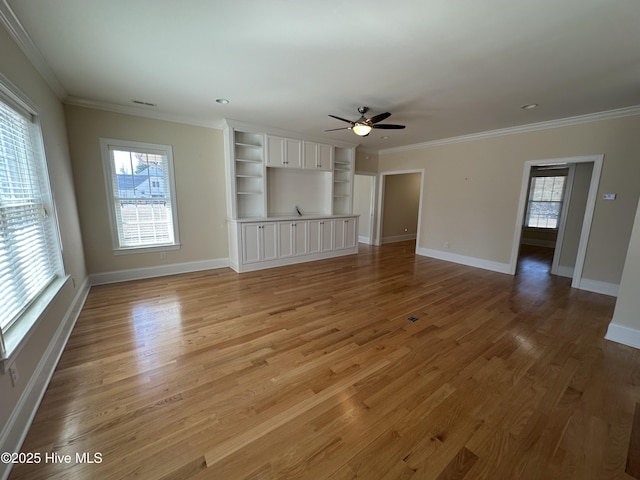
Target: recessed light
(222, 101)
(530, 106)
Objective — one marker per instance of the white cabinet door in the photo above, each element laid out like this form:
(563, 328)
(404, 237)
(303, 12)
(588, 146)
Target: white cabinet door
(284, 152)
(345, 231)
(326, 235)
(251, 233)
(320, 235)
(292, 238)
(314, 244)
(285, 240)
(317, 156)
(325, 157)
(300, 237)
(275, 151)
(310, 155)
(293, 153)
(259, 242)
(350, 233)
(269, 241)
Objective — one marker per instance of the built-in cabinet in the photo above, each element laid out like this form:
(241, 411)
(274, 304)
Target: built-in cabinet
(272, 243)
(271, 178)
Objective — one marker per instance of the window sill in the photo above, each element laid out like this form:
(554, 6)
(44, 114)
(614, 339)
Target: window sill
(18, 335)
(150, 249)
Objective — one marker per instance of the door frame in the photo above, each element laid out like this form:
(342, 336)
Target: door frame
(597, 161)
(374, 190)
(382, 178)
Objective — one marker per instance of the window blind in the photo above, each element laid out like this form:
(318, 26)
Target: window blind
(29, 254)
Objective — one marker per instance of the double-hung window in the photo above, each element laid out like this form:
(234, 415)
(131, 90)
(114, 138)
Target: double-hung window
(30, 253)
(141, 193)
(546, 192)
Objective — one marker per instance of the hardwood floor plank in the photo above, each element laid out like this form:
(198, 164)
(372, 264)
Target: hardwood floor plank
(633, 457)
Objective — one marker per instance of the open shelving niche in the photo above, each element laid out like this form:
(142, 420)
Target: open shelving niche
(259, 191)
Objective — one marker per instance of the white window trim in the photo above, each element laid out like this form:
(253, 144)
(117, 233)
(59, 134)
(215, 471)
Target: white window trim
(12, 340)
(105, 144)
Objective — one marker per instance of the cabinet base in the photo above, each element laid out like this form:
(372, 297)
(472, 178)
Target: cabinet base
(251, 267)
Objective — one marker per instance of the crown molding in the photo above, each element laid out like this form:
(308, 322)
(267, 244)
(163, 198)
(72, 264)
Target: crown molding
(532, 127)
(11, 23)
(147, 112)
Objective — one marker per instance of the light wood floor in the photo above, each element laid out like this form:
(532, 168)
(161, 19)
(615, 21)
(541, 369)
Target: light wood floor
(314, 371)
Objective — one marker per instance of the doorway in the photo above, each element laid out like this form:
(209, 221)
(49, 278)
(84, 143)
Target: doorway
(399, 206)
(575, 218)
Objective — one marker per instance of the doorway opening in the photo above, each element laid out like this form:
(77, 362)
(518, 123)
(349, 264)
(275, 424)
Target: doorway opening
(556, 207)
(399, 206)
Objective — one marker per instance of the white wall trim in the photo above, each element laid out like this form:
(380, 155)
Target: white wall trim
(624, 335)
(10, 21)
(532, 127)
(15, 431)
(156, 271)
(464, 260)
(379, 216)
(399, 238)
(146, 112)
(597, 161)
(363, 239)
(597, 286)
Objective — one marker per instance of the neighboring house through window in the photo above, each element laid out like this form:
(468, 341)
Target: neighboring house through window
(141, 192)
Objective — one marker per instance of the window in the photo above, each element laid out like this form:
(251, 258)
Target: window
(30, 255)
(141, 194)
(545, 201)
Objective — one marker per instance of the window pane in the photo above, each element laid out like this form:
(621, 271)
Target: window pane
(544, 214)
(143, 206)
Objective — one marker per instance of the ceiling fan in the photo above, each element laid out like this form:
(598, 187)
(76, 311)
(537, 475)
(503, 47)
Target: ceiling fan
(363, 126)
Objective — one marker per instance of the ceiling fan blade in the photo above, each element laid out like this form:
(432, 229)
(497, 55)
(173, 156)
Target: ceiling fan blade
(379, 117)
(344, 120)
(334, 129)
(389, 126)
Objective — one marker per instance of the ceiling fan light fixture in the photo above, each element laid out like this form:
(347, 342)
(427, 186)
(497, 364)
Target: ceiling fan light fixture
(361, 129)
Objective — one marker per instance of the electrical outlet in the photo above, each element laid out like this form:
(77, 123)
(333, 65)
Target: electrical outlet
(163, 255)
(13, 371)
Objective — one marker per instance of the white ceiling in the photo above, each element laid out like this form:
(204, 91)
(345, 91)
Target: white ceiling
(444, 68)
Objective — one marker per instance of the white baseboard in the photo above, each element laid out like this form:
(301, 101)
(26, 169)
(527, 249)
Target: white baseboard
(596, 286)
(399, 238)
(624, 335)
(15, 431)
(157, 271)
(362, 239)
(464, 260)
